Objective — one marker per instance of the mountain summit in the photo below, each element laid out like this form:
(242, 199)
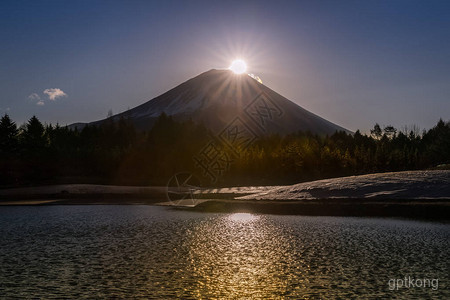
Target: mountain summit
(217, 98)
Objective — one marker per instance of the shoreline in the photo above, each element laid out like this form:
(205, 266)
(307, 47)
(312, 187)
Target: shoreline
(424, 210)
(429, 209)
(411, 194)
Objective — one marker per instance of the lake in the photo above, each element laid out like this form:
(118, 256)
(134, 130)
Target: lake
(159, 253)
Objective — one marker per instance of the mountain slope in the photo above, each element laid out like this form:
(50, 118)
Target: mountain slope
(218, 98)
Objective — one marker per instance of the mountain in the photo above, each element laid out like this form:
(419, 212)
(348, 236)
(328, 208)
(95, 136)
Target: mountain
(220, 99)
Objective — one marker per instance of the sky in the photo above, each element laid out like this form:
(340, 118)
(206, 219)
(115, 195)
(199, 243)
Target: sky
(355, 63)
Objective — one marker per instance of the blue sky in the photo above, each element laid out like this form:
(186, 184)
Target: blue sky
(352, 62)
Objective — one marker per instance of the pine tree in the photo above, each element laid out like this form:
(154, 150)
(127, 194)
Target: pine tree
(8, 136)
(33, 134)
(376, 132)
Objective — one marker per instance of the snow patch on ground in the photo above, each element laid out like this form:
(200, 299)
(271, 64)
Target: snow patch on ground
(395, 185)
(390, 186)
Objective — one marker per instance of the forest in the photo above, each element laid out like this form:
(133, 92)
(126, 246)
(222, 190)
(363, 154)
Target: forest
(115, 152)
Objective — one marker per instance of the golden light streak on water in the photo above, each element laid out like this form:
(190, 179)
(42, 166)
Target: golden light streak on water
(240, 256)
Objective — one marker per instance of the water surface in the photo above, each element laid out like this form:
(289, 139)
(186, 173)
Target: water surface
(156, 252)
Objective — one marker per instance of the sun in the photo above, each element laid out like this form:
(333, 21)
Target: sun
(238, 66)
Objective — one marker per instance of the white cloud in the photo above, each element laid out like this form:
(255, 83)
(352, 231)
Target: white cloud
(34, 96)
(40, 103)
(53, 94)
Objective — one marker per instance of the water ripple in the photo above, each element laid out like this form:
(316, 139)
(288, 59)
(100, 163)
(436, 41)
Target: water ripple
(153, 253)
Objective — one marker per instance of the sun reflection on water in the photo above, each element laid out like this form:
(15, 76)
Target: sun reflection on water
(117, 252)
(239, 256)
(242, 217)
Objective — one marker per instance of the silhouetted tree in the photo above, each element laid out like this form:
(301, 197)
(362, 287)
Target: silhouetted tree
(8, 150)
(390, 131)
(116, 152)
(376, 132)
(33, 135)
(8, 136)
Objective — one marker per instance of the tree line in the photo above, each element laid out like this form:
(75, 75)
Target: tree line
(115, 152)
